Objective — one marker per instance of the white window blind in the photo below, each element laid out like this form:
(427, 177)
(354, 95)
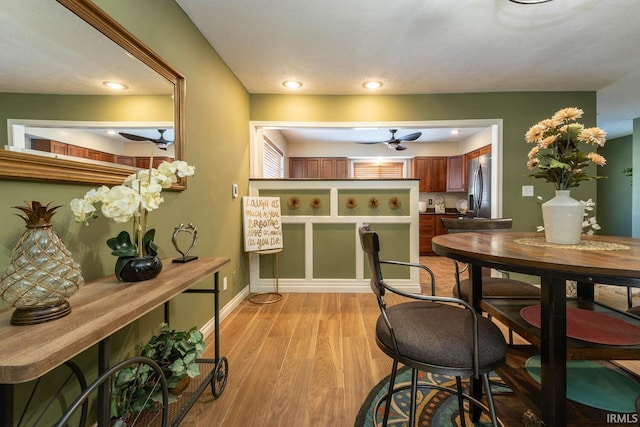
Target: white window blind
(272, 160)
(374, 170)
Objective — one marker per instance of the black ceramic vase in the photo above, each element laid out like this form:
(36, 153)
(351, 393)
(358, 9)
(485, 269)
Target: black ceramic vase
(138, 269)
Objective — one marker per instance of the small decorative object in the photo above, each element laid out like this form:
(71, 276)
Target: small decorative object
(41, 274)
(422, 206)
(351, 203)
(373, 203)
(562, 219)
(462, 206)
(315, 203)
(185, 254)
(134, 199)
(176, 353)
(559, 161)
(589, 223)
(293, 202)
(439, 204)
(395, 203)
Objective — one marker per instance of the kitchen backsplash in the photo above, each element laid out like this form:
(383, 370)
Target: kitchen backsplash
(450, 199)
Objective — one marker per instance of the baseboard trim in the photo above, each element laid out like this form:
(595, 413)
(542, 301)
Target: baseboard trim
(210, 326)
(334, 287)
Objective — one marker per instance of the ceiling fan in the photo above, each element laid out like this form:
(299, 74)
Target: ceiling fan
(396, 143)
(161, 142)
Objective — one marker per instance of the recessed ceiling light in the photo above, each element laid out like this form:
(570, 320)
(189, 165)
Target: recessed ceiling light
(292, 84)
(115, 85)
(372, 85)
(455, 131)
(529, 1)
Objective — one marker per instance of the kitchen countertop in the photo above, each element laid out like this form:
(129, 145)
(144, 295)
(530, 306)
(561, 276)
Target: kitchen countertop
(447, 211)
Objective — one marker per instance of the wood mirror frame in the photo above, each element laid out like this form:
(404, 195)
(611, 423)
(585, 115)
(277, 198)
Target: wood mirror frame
(24, 166)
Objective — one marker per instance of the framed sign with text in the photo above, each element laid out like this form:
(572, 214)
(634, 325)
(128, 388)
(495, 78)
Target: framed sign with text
(262, 223)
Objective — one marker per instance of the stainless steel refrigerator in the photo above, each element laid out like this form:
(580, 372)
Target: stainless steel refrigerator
(479, 182)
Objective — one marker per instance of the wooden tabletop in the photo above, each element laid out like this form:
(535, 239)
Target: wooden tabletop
(98, 309)
(495, 249)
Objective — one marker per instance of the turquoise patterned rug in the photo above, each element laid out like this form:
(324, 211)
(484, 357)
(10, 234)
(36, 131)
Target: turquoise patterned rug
(435, 407)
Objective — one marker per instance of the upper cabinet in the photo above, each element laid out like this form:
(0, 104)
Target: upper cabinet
(319, 167)
(432, 173)
(456, 174)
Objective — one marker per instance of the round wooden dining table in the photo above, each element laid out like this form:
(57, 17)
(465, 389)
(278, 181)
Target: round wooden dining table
(596, 260)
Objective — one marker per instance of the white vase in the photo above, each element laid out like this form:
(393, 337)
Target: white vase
(562, 217)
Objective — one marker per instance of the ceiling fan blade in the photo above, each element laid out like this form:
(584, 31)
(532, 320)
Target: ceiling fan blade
(410, 137)
(134, 137)
(400, 147)
(161, 139)
(162, 142)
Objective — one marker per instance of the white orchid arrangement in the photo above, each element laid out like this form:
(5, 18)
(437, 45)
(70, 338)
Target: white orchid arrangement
(139, 194)
(556, 153)
(589, 223)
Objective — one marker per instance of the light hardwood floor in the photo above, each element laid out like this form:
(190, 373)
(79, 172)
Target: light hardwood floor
(307, 361)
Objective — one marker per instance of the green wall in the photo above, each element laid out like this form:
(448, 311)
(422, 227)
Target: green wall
(83, 108)
(518, 110)
(615, 193)
(217, 116)
(635, 204)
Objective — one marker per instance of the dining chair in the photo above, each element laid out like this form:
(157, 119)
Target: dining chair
(491, 286)
(634, 310)
(442, 335)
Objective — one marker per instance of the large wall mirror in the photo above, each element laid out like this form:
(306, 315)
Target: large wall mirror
(59, 121)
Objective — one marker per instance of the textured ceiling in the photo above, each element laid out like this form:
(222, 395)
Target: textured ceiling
(433, 46)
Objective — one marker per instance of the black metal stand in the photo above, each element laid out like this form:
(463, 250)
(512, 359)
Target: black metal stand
(184, 259)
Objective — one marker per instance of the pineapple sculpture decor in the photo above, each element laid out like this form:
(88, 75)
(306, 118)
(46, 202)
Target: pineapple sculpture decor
(41, 274)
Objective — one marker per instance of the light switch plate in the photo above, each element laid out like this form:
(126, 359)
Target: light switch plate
(527, 191)
(234, 190)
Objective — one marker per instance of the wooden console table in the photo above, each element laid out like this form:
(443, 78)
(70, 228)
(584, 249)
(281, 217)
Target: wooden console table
(554, 266)
(99, 309)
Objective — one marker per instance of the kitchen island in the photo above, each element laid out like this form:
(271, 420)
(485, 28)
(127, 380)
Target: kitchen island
(320, 220)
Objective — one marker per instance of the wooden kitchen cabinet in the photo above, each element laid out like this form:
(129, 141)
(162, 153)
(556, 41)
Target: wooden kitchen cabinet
(126, 160)
(319, 167)
(75, 151)
(456, 174)
(430, 225)
(427, 231)
(143, 162)
(296, 167)
(49, 146)
(478, 152)
(432, 173)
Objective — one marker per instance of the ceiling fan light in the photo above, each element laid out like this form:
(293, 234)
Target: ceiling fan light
(372, 84)
(292, 84)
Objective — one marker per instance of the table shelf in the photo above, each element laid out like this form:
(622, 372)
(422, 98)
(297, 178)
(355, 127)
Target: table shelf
(507, 311)
(529, 391)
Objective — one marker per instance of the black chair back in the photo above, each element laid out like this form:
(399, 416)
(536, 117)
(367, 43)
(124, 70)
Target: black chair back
(455, 225)
(371, 246)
